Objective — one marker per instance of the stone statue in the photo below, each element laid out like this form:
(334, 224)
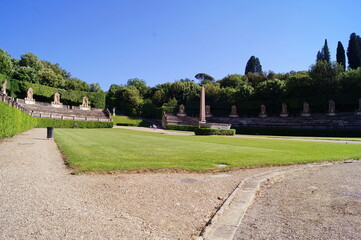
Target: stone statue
(234, 113)
(85, 102)
(284, 108)
(331, 106)
(234, 110)
(181, 109)
(263, 109)
(30, 94)
(263, 113)
(208, 110)
(57, 103)
(181, 112)
(57, 98)
(358, 111)
(3, 87)
(306, 107)
(306, 110)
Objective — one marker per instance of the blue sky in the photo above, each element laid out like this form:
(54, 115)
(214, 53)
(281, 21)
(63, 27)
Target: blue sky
(160, 41)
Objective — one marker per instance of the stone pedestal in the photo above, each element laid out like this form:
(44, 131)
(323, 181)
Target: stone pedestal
(358, 113)
(284, 115)
(215, 125)
(181, 114)
(29, 101)
(56, 105)
(331, 114)
(233, 116)
(305, 114)
(84, 108)
(262, 115)
(209, 115)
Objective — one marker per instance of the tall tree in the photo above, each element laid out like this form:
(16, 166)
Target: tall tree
(6, 65)
(340, 55)
(324, 54)
(354, 52)
(205, 78)
(95, 87)
(253, 65)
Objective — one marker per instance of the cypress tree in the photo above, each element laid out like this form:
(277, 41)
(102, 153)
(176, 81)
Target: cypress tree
(253, 65)
(340, 55)
(258, 68)
(326, 52)
(354, 52)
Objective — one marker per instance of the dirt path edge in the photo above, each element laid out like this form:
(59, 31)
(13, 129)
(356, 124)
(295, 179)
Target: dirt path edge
(223, 225)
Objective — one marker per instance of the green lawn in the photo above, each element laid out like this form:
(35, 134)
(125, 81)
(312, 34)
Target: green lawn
(122, 149)
(126, 120)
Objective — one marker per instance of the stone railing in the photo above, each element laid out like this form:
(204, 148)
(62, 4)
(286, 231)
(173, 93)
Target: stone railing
(12, 102)
(20, 103)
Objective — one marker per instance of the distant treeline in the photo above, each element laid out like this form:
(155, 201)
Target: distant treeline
(324, 80)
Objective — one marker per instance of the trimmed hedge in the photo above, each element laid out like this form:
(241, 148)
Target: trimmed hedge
(141, 124)
(14, 121)
(300, 132)
(96, 99)
(60, 123)
(181, 127)
(213, 131)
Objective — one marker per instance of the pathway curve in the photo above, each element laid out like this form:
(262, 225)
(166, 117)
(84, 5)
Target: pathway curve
(40, 199)
(317, 203)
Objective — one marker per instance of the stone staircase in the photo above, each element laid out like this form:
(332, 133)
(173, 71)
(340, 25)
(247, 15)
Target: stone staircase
(347, 121)
(45, 110)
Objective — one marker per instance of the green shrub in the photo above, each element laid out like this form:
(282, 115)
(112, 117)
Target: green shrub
(60, 123)
(96, 99)
(129, 121)
(213, 131)
(14, 121)
(181, 127)
(299, 132)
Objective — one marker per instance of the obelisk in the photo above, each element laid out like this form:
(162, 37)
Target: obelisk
(202, 108)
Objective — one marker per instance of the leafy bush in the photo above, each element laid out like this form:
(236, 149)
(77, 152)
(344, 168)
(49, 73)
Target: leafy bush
(213, 131)
(128, 121)
(299, 132)
(60, 123)
(14, 121)
(182, 127)
(96, 99)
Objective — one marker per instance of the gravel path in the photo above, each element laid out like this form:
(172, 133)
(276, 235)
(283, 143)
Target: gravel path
(40, 199)
(318, 203)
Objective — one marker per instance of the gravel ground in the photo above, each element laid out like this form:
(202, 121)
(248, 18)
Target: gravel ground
(318, 203)
(40, 199)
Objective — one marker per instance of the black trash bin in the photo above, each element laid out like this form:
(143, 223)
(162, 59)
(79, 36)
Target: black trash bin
(50, 132)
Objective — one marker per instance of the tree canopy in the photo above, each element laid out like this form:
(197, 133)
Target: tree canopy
(253, 66)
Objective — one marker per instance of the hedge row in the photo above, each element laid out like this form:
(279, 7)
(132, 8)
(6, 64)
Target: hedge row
(213, 131)
(96, 99)
(14, 121)
(299, 132)
(59, 123)
(182, 127)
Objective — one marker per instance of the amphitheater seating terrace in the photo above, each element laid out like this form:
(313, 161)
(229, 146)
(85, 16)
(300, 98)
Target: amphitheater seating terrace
(45, 110)
(316, 121)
